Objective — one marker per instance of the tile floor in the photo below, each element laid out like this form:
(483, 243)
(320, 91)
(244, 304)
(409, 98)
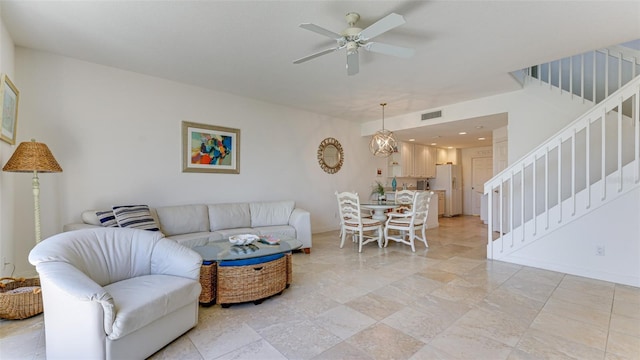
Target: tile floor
(447, 302)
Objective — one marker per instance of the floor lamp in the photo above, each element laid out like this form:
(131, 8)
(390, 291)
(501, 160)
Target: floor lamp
(32, 156)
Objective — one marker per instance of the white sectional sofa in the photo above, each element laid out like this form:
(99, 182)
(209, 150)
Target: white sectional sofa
(195, 225)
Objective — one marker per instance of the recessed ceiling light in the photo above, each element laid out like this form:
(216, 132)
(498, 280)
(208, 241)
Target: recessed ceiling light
(449, 147)
(412, 139)
(462, 133)
(434, 144)
(481, 138)
(479, 127)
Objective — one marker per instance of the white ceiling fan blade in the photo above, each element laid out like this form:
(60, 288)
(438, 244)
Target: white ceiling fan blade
(383, 25)
(353, 66)
(387, 49)
(320, 30)
(313, 56)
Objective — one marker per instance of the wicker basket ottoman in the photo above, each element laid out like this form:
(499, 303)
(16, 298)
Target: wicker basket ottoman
(255, 282)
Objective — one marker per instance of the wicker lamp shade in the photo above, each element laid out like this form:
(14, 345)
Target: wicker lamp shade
(32, 156)
(35, 157)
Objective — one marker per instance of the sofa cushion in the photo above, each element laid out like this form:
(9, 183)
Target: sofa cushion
(90, 217)
(270, 213)
(196, 239)
(183, 219)
(225, 233)
(280, 232)
(107, 218)
(163, 294)
(229, 216)
(135, 216)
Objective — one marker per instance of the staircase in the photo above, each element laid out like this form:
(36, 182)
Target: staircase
(558, 206)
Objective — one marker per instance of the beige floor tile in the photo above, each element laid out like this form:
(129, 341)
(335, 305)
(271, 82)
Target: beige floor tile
(375, 306)
(513, 303)
(299, 339)
(537, 344)
(495, 325)
(529, 287)
(431, 353)
(577, 312)
(343, 351)
(624, 324)
(623, 345)
(214, 341)
(541, 276)
(573, 330)
(587, 286)
(383, 342)
(627, 293)
(626, 308)
(419, 325)
(461, 343)
(181, 348)
(599, 303)
(438, 275)
(256, 350)
(343, 321)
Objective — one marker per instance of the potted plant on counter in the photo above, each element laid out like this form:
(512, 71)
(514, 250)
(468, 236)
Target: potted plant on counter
(378, 190)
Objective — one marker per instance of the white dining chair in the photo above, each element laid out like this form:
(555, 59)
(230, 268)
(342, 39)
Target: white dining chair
(404, 198)
(354, 223)
(409, 222)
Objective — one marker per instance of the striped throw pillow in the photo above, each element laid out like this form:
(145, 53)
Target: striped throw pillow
(135, 216)
(107, 218)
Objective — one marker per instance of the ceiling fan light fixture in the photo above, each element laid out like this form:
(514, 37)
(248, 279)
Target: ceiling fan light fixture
(383, 143)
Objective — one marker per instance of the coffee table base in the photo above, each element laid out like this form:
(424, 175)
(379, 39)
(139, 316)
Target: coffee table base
(237, 284)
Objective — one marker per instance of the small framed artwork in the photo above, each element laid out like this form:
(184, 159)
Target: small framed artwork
(209, 148)
(9, 97)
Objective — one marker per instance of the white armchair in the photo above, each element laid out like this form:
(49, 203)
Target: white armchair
(112, 293)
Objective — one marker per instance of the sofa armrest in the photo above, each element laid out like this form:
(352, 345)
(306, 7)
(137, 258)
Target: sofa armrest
(301, 220)
(64, 285)
(171, 258)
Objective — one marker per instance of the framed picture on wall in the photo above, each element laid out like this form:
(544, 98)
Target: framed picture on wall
(209, 148)
(9, 96)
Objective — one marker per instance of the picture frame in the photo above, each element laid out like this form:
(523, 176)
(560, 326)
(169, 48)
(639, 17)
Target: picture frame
(9, 97)
(210, 148)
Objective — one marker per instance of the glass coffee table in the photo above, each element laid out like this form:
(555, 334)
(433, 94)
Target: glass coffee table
(243, 273)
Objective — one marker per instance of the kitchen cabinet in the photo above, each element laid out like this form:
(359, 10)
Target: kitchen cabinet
(413, 160)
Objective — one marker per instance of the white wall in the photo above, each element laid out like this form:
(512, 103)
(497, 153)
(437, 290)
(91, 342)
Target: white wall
(117, 136)
(572, 249)
(7, 50)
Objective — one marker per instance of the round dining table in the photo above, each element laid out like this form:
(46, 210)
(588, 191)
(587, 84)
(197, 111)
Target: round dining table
(379, 208)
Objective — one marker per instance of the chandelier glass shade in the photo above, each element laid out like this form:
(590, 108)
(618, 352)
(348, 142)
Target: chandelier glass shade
(383, 143)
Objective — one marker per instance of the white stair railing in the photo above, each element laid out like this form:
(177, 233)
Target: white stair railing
(590, 162)
(591, 76)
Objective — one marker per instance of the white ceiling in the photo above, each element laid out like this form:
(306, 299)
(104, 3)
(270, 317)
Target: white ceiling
(464, 49)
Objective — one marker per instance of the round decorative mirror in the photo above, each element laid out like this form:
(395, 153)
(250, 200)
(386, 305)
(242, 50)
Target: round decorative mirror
(330, 155)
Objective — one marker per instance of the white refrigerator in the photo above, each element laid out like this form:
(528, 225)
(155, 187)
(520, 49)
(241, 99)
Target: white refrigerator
(449, 179)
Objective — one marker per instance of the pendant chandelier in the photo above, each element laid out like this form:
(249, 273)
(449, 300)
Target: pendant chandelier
(383, 143)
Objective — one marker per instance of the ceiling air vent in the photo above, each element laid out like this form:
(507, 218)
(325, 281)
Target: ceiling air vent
(432, 115)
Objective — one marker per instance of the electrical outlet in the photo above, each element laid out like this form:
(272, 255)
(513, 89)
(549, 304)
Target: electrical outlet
(600, 250)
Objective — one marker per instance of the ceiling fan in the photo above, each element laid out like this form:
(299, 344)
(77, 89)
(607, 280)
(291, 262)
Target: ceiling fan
(354, 38)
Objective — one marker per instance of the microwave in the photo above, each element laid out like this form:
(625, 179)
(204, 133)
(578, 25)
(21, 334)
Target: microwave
(422, 185)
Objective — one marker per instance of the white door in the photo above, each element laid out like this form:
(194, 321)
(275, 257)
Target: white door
(481, 172)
